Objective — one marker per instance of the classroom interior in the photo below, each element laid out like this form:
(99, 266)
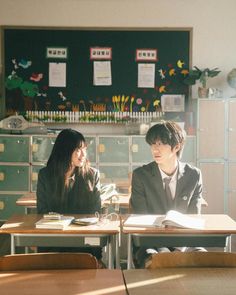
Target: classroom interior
(211, 45)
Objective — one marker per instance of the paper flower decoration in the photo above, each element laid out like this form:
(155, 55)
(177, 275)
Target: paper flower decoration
(162, 74)
(162, 89)
(62, 96)
(25, 63)
(172, 72)
(139, 101)
(180, 64)
(156, 103)
(36, 77)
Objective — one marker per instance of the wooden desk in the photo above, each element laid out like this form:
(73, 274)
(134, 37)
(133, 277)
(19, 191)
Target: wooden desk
(61, 282)
(181, 281)
(23, 233)
(217, 233)
(29, 201)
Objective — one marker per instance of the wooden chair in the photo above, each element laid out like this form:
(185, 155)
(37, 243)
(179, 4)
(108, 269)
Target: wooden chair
(191, 259)
(37, 261)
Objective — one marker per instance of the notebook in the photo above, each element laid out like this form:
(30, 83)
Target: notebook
(61, 223)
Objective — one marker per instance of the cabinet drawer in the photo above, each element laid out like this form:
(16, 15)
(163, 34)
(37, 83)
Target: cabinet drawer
(14, 178)
(34, 171)
(8, 206)
(14, 149)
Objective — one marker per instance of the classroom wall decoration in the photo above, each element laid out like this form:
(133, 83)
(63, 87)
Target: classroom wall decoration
(55, 69)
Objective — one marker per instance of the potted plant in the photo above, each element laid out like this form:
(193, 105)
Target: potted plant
(202, 75)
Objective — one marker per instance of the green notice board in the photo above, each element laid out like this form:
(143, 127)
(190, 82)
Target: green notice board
(29, 59)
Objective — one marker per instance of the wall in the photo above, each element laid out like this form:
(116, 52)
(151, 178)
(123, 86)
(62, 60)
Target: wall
(213, 22)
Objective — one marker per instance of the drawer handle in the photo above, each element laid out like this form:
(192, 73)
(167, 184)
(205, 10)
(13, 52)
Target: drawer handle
(2, 176)
(2, 205)
(134, 148)
(101, 148)
(35, 148)
(2, 147)
(102, 175)
(34, 176)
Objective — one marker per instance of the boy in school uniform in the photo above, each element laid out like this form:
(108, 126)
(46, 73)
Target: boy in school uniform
(166, 183)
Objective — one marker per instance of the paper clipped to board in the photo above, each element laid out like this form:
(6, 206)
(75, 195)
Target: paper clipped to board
(172, 219)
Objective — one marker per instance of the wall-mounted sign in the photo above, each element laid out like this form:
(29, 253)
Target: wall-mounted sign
(100, 53)
(56, 52)
(146, 55)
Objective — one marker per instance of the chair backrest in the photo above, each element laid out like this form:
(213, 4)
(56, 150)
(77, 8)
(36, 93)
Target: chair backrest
(37, 261)
(192, 259)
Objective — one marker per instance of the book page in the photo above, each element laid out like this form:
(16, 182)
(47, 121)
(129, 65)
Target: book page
(139, 220)
(175, 218)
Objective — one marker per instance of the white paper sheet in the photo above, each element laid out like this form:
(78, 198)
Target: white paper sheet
(57, 74)
(102, 73)
(146, 75)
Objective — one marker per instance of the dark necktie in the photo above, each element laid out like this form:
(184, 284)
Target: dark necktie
(168, 192)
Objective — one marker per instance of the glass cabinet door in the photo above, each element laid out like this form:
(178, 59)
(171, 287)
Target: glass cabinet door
(140, 150)
(113, 149)
(42, 147)
(91, 141)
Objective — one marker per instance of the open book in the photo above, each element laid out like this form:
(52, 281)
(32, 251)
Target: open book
(172, 218)
(61, 223)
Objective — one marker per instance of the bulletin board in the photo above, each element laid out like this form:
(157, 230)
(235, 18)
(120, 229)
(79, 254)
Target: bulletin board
(30, 55)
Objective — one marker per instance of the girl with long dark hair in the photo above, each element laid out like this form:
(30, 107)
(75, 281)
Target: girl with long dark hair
(68, 184)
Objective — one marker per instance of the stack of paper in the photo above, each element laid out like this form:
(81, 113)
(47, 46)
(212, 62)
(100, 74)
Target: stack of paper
(61, 223)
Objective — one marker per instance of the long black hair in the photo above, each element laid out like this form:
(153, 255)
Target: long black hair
(59, 162)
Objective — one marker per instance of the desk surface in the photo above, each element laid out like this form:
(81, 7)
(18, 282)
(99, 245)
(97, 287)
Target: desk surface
(181, 281)
(29, 200)
(26, 224)
(71, 282)
(214, 224)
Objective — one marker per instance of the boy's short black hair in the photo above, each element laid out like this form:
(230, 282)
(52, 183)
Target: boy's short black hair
(168, 132)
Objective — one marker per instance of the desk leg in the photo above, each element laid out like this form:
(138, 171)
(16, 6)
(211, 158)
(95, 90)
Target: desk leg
(228, 244)
(129, 252)
(117, 246)
(109, 254)
(12, 244)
